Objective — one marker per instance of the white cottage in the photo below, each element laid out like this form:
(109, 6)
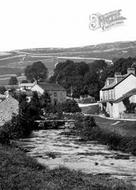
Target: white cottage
(115, 90)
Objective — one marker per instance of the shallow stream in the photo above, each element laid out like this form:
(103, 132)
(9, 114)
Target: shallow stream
(52, 148)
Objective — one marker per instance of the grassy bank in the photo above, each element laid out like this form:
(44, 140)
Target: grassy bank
(17, 171)
(123, 127)
(92, 109)
(118, 135)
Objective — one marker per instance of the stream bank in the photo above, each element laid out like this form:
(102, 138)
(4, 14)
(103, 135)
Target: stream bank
(18, 171)
(54, 149)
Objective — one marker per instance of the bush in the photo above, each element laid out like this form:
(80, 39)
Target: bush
(84, 126)
(87, 100)
(70, 106)
(21, 125)
(2, 89)
(16, 128)
(4, 136)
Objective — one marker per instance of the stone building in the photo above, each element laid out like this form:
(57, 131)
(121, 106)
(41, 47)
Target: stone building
(116, 89)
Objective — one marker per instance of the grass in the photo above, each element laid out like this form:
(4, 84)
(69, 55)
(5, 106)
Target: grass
(121, 127)
(92, 109)
(20, 172)
(118, 135)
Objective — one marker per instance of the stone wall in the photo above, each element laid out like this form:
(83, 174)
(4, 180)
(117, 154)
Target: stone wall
(7, 108)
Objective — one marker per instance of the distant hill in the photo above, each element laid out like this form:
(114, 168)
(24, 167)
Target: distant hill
(15, 61)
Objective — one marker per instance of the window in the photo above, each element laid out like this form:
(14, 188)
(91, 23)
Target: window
(112, 94)
(104, 95)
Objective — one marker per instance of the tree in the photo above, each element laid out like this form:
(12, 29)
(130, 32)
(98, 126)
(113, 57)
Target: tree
(70, 106)
(21, 125)
(13, 81)
(46, 101)
(122, 64)
(95, 78)
(2, 89)
(27, 114)
(70, 75)
(24, 81)
(13, 93)
(37, 71)
(35, 106)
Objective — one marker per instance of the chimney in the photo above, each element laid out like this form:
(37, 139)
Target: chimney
(7, 94)
(131, 70)
(109, 81)
(118, 77)
(35, 82)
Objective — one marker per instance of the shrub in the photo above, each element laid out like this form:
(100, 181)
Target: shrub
(85, 126)
(87, 100)
(70, 106)
(21, 125)
(4, 136)
(2, 89)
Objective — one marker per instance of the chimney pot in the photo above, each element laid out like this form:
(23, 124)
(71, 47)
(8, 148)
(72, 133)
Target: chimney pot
(131, 70)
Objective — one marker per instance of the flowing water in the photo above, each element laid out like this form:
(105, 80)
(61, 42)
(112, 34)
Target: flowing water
(52, 148)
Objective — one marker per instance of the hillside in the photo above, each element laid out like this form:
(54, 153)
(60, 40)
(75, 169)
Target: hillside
(15, 61)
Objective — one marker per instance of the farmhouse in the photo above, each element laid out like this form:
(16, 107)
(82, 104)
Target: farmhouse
(56, 92)
(115, 91)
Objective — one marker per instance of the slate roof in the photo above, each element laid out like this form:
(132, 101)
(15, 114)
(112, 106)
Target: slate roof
(51, 86)
(112, 85)
(126, 95)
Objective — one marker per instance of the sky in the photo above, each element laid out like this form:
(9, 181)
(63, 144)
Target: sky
(61, 23)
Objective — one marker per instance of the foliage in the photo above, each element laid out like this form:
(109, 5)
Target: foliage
(86, 100)
(79, 78)
(133, 107)
(13, 81)
(45, 100)
(70, 75)
(24, 81)
(34, 106)
(115, 139)
(84, 125)
(122, 64)
(2, 89)
(126, 102)
(37, 71)
(21, 125)
(4, 136)
(14, 93)
(130, 107)
(70, 106)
